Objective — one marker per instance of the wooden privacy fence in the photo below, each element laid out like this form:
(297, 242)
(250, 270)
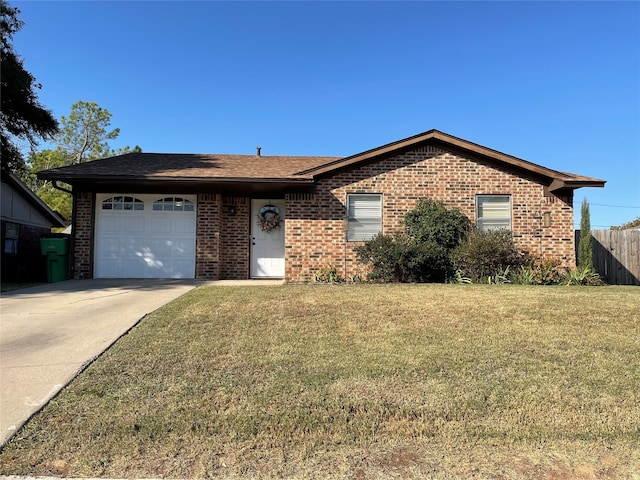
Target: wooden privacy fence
(616, 255)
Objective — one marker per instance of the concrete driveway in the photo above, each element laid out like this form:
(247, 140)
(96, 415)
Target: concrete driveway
(50, 332)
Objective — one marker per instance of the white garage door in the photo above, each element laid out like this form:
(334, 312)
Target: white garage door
(145, 236)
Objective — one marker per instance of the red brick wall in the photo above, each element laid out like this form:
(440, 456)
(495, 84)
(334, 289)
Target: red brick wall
(208, 236)
(315, 237)
(234, 238)
(83, 235)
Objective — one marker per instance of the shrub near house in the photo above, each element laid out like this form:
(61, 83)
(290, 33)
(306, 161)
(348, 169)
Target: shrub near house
(440, 244)
(487, 254)
(422, 252)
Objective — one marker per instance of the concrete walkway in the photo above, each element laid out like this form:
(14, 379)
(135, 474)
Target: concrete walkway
(51, 332)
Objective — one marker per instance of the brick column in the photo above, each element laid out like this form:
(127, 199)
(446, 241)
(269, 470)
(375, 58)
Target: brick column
(208, 236)
(83, 235)
(234, 238)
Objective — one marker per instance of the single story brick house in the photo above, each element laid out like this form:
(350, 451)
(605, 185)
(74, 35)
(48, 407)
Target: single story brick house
(209, 216)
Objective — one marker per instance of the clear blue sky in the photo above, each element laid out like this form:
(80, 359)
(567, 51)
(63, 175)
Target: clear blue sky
(555, 83)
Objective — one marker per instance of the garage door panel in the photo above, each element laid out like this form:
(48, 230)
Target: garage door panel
(111, 268)
(111, 246)
(173, 247)
(160, 222)
(132, 223)
(185, 247)
(182, 269)
(111, 223)
(131, 246)
(162, 248)
(144, 243)
(186, 224)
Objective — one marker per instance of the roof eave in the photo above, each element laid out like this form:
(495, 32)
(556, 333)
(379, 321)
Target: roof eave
(441, 139)
(367, 155)
(242, 185)
(151, 179)
(573, 184)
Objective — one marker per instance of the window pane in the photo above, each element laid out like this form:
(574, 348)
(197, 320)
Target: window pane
(10, 245)
(122, 203)
(174, 203)
(365, 216)
(493, 212)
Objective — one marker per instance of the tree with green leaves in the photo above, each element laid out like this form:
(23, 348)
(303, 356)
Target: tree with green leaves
(58, 200)
(433, 221)
(22, 117)
(626, 226)
(585, 247)
(84, 134)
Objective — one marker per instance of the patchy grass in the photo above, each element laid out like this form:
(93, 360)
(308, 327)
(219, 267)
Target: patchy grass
(361, 381)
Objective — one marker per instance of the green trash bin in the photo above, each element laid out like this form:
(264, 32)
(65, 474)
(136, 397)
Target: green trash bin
(57, 252)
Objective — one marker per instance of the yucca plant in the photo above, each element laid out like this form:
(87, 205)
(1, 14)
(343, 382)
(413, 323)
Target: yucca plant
(524, 276)
(500, 278)
(583, 275)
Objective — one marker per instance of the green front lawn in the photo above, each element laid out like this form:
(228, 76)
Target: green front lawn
(360, 381)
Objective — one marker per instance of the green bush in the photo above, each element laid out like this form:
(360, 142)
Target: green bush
(421, 253)
(328, 274)
(524, 275)
(549, 271)
(383, 253)
(427, 262)
(399, 258)
(434, 222)
(487, 254)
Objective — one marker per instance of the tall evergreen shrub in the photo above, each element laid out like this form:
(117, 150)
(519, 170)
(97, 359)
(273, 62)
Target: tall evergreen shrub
(585, 247)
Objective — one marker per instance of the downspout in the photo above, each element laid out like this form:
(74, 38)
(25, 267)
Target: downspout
(540, 227)
(55, 185)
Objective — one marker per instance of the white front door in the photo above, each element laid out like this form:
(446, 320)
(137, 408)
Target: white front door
(267, 238)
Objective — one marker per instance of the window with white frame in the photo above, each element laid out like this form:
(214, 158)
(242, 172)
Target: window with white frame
(176, 204)
(493, 212)
(122, 203)
(364, 212)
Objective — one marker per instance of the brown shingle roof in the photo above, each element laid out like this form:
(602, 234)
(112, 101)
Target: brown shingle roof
(286, 170)
(557, 179)
(189, 166)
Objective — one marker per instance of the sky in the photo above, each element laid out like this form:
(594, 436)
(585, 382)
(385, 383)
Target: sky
(554, 83)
